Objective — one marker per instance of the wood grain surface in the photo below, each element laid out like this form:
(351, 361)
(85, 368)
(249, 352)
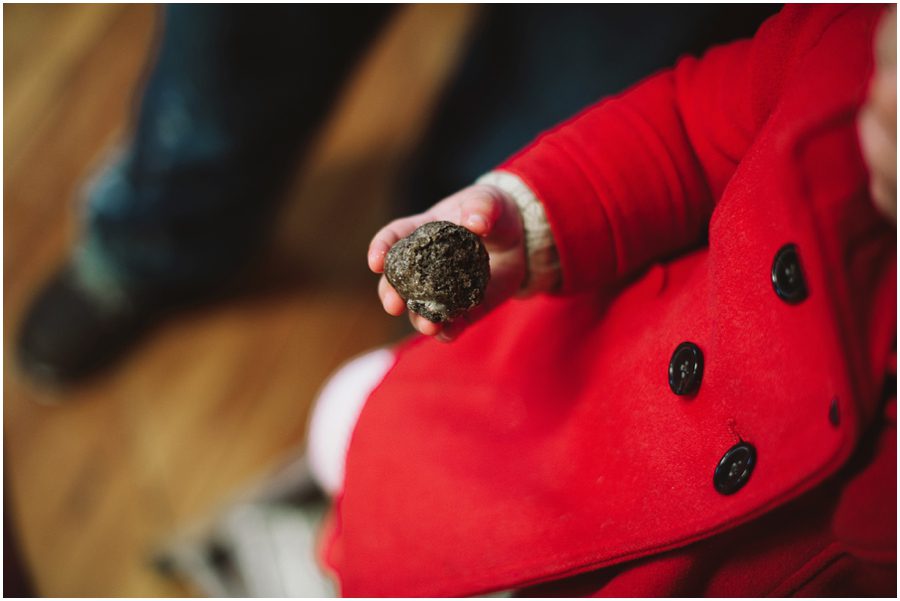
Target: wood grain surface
(99, 475)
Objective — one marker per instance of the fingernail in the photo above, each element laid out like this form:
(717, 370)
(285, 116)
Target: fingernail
(375, 254)
(476, 221)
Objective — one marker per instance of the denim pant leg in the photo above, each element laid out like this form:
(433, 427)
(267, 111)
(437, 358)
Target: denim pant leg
(235, 93)
(530, 66)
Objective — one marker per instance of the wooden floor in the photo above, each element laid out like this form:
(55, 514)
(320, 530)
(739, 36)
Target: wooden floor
(96, 477)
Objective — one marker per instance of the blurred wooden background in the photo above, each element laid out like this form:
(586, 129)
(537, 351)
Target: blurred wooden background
(96, 477)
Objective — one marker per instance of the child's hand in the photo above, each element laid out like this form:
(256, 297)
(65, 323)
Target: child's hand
(484, 210)
(878, 119)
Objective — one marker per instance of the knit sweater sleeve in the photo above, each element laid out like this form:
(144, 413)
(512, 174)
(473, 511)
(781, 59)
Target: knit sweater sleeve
(635, 177)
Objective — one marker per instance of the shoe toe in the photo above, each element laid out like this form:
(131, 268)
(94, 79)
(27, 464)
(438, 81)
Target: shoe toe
(69, 332)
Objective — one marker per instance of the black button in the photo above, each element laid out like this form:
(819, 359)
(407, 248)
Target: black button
(787, 276)
(686, 369)
(734, 468)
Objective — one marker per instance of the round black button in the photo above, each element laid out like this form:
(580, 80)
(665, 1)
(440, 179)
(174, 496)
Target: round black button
(686, 369)
(787, 277)
(734, 468)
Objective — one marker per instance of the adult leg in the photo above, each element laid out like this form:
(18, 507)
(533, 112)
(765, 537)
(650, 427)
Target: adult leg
(236, 91)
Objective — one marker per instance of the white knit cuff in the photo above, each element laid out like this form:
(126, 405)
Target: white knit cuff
(542, 271)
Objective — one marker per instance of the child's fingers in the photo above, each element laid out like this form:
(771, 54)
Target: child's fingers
(423, 325)
(388, 236)
(484, 210)
(479, 210)
(378, 249)
(488, 212)
(390, 300)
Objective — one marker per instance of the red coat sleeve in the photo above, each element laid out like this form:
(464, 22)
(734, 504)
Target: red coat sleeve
(635, 177)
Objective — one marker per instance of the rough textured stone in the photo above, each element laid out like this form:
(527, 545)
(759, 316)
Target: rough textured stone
(441, 270)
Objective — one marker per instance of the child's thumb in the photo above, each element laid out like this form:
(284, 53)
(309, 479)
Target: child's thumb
(490, 213)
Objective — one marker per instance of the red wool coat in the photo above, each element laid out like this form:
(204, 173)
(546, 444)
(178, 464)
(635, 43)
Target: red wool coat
(546, 447)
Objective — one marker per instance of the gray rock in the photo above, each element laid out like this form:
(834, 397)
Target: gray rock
(441, 270)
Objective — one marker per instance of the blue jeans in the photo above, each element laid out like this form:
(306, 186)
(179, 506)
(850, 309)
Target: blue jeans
(238, 90)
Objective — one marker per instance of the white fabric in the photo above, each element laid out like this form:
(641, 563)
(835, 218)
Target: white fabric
(543, 271)
(335, 412)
